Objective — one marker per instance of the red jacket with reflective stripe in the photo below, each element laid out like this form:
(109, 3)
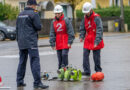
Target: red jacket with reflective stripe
(61, 33)
(90, 27)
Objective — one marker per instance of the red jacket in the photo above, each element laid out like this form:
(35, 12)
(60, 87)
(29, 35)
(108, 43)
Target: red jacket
(90, 27)
(61, 33)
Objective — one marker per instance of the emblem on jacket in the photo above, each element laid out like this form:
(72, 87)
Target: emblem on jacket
(59, 26)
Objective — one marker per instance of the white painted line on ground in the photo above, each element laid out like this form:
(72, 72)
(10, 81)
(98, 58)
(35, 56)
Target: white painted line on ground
(5, 87)
(41, 54)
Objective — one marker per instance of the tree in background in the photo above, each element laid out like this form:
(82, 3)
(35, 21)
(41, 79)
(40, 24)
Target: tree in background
(7, 12)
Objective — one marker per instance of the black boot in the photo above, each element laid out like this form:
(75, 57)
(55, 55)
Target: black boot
(21, 85)
(41, 86)
(85, 74)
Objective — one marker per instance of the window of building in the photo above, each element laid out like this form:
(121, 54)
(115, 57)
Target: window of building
(114, 2)
(22, 5)
(117, 3)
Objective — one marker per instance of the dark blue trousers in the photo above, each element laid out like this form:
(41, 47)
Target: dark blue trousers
(62, 57)
(34, 63)
(96, 57)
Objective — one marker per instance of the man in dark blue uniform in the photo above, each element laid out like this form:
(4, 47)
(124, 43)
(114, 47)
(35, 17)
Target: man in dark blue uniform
(28, 24)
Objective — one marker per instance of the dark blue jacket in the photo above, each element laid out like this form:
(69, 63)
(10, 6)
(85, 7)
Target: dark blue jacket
(27, 26)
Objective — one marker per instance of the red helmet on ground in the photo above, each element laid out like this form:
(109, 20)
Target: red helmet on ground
(98, 76)
(93, 77)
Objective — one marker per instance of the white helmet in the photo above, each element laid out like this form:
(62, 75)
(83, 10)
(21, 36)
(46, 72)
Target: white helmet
(86, 7)
(58, 9)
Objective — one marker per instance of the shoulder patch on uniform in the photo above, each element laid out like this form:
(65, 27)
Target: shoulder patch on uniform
(23, 16)
(35, 10)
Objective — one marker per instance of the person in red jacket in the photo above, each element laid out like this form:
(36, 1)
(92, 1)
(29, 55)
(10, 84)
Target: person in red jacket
(61, 35)
(91, 31)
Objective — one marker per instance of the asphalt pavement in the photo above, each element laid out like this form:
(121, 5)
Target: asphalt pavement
(115, 61)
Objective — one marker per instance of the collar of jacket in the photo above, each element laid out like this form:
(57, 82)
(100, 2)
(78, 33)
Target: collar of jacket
(61, 18)
(28, 8)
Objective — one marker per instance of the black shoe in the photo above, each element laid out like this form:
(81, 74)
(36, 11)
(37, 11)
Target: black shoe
(85, 74)
(41, 86)
(21, 85)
